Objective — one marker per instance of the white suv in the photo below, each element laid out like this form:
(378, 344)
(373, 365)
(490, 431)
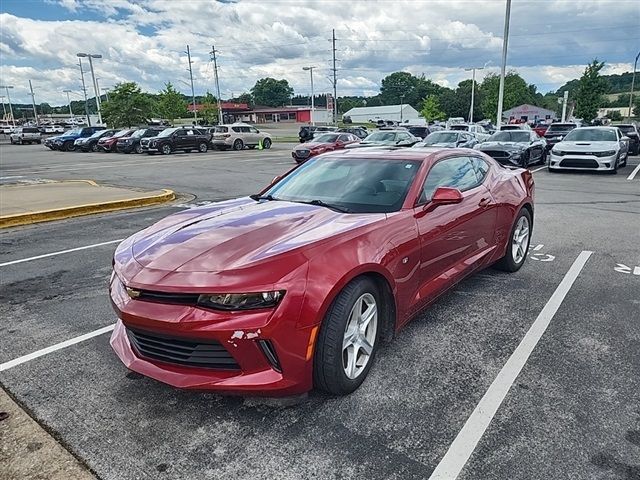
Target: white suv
(23, 135)
(238, 136)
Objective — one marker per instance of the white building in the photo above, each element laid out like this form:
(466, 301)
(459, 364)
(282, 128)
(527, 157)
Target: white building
(397, 113)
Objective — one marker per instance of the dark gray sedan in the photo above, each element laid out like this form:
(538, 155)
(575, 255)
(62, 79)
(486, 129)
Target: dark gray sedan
(448, 139)
(520, 148)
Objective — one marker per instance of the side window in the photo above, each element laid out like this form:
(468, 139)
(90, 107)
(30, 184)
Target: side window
(456, 172)
(481, 168)
(245, 129)
(344, 138)
(236, 129)
(253, 130)
(189, 132)
(181, 133)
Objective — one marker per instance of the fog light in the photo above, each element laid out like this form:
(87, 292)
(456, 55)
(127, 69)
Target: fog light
(607, 164)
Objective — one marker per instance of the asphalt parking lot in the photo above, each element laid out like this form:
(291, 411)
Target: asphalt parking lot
(573, 411)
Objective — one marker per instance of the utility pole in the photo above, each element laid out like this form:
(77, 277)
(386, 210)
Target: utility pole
(565, 98)
(401, 101)
(215, 70)
(33, 102)
(84, 90)
(4, 109)
(505, 42)
(69, 102)
(193, 93)
(7, 87)
(335, 81)
(633, 81)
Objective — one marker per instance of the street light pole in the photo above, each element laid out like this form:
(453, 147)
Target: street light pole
(505, 42)
(193, 93)
(7, 87)
(106, 91)
(215, 70)
(313, 106)
(84, 90)
(33, 103)
(69, 102)
(401, 101)
(4, 109)
(91, 56)
(633, 80)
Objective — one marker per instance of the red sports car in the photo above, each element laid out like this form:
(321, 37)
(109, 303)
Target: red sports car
(296, 287)
(326, 142)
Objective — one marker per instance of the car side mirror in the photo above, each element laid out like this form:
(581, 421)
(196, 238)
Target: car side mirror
(276, 179)
(625, 138)
(446, 196)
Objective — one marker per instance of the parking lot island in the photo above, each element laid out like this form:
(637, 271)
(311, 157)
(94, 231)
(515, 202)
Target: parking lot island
(42, 201)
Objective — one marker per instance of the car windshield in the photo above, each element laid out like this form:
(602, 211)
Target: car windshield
(75, 131)
(626, 128)
(97, 134)
(592, 135)
(460, 127)
(139, 133)
(326, 138)
(355, 184)
(441, 137)
(562, 127)
(121, 133)
(510, 136)
(167, 132)
(381, 137)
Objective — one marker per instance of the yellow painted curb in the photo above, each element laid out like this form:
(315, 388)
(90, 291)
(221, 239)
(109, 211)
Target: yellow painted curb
(88, 209)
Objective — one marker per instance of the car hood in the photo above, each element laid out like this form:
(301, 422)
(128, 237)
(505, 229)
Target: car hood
(441, 144)
(586, 146)
(502, 146)
(310, 145)
(238, 234)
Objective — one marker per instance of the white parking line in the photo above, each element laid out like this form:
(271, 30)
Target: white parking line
(538, 169)
(53, 254)
(465, 442)
(53, 348)
(632, 175)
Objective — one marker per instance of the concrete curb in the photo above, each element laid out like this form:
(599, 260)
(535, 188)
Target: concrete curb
(87, 209)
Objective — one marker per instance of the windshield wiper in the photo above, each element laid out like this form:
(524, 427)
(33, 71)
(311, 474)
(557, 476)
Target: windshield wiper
(320, 203)
(257, 197)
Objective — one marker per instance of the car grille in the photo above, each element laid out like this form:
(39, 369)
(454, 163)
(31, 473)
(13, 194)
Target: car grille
(181, 351)
(496, 153)
(302, 153)
(579, 163)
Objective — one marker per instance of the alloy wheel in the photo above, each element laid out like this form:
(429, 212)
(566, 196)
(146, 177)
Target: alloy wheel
(520, 240)
(359, 336)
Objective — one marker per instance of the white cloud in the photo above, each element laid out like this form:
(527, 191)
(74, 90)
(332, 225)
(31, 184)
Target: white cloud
(144, 41)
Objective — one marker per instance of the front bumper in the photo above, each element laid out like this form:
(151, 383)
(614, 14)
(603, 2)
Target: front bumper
(582, 162)
(237, 332)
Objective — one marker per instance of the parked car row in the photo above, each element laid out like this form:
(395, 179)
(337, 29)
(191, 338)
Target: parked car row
(157, 139)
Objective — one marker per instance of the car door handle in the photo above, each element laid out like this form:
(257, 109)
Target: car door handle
(484, 202)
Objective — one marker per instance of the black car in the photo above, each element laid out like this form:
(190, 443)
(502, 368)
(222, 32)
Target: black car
(359, 132)
(520, 148)
(631, 131)
(132, 143)
(91, 143)
(556, 132)
(419, 131)
(448, 139)
(307, 132)
(177, 138)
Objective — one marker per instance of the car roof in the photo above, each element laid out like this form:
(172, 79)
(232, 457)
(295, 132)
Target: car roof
(400, 153)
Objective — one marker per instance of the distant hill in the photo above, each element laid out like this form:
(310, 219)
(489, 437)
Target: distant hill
(617, 84)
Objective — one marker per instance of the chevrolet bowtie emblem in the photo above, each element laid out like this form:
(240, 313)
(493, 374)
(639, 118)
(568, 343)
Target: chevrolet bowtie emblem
(133, 293)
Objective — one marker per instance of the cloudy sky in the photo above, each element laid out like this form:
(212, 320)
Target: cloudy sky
(145, 41)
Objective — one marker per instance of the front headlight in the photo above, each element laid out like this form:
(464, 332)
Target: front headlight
(608, 153)
(555, 151)
(240, 301)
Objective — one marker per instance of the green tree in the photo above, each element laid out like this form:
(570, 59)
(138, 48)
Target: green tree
(431, 109)
(399, 87)
(209, 110)
(45, 108)
(244, 98)
(516, 92)
(127, 106)
(271, 92)
(614, 116)
(589, 95)
(170, 103)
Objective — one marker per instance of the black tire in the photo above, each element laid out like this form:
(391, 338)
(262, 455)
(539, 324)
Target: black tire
(543, 157)
(508, 263)
(552, 170)
(94, 147)
(266, 144)
(138, 148)
(39, 142)
(188, 150)
(238, 144)
(328, 370)
(203, 147)
(165, 149)
(624, 161)
(68, 146)
(524, 162)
